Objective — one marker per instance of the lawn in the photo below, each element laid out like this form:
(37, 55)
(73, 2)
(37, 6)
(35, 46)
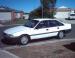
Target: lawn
(20, 21)
(17, 21)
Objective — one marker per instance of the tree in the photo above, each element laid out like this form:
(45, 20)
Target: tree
(46, 10)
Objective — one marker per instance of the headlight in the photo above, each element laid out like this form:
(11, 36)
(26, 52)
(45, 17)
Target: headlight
(10, 35)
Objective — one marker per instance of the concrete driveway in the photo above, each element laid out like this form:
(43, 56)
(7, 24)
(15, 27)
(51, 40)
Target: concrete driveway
(55, 49)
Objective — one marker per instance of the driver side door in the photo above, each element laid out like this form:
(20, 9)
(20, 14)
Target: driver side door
(40, 30)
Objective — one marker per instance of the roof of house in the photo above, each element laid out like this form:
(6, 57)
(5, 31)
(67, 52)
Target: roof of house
(63, 7)
(7, 9)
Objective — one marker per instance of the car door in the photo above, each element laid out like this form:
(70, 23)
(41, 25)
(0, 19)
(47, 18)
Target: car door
(54, 27)
(40, 30)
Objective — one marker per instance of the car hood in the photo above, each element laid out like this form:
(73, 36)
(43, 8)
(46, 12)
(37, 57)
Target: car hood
(16, 29)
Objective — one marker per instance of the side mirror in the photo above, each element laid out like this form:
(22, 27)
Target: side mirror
(36, 28)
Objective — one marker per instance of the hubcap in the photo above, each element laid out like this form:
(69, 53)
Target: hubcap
(61, 35)
(24, 40)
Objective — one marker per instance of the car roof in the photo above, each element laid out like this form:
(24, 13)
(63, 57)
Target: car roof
(42, 19)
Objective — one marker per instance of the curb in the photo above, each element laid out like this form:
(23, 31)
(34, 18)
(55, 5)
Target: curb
(8, 54)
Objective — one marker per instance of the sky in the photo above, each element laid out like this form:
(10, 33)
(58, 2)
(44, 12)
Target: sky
(29, 5)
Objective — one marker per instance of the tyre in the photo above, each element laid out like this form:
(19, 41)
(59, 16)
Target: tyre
(24, 39)
(60, 35)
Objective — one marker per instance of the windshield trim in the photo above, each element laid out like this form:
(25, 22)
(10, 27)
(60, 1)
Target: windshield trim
(37, 24)
(31, 26)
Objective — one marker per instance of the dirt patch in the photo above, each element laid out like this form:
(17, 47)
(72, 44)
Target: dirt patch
(70, 46)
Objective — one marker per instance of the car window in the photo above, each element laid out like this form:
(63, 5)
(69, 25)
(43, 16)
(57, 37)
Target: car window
(43, 24)
(53, 23)
(31, 23)
(72, 14)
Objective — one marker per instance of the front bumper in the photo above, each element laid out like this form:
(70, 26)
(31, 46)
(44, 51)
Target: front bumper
(10, 41)
(8, 37)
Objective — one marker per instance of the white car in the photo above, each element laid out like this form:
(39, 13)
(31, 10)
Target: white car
(72, 16)
(37, 28)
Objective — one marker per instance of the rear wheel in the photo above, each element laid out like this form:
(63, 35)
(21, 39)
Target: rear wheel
(60, 35)
(24, 40)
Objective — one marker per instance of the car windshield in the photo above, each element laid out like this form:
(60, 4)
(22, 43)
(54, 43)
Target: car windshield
(30, 23)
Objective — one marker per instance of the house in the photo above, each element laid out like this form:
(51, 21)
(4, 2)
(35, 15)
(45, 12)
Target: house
(9, 14)
(26, 15)
(19, 14)
(62, 12)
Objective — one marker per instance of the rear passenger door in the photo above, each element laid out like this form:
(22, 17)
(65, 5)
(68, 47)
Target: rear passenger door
(54, 27)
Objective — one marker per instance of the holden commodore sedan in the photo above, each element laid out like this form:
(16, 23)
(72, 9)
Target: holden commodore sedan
(37, 28)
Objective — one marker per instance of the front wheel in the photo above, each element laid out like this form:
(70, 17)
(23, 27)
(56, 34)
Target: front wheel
(60, 35)
(24, 40)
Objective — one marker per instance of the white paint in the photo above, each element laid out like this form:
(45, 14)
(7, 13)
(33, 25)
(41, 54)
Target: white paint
(44, 35)
(5, 15)
(20, 30)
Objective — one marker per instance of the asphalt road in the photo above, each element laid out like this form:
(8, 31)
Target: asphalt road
(72, 34)
(2, 44)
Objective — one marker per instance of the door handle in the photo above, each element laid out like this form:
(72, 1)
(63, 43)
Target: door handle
(46, 29)
(57, 27)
